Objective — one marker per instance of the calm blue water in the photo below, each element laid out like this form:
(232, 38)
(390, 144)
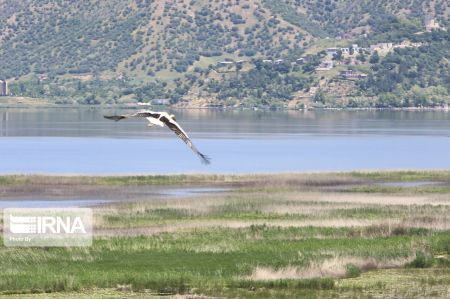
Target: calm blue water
(80, 141)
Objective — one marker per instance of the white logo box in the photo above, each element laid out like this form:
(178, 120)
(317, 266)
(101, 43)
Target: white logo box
(45, 227)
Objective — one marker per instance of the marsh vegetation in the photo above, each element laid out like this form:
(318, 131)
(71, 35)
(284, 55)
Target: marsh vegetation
(331, 235)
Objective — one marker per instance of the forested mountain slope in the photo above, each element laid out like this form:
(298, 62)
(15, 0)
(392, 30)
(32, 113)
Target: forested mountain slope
(94, 51)
(148, 36)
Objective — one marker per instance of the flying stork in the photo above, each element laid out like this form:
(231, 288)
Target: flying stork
(164, 119)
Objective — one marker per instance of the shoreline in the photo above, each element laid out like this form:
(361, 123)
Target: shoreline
(42, 183)
(32, 103)
(406, 109)
(230, 175)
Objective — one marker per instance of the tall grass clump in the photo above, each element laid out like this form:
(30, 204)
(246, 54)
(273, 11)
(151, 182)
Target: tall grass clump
(311, 283)
(352, 271)
(422, 260)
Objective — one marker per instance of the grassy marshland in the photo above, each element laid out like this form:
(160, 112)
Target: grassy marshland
(281, 236)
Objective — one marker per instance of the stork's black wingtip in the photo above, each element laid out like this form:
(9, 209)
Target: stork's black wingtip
(205, 159)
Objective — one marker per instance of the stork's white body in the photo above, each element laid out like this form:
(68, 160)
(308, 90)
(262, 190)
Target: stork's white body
(153, 121)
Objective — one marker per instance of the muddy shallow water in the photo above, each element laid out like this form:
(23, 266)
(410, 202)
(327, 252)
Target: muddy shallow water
(64, 202)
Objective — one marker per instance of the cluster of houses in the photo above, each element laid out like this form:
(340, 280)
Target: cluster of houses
(345, 51)
(3, 88)
(384, 48)
(380, 48)
(349, 52)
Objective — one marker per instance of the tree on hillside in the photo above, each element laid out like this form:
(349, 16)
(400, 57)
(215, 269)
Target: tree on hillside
(320, 97)
(375, 58)
(338, 55)
(361, 57)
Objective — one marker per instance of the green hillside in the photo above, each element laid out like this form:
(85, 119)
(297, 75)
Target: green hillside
(198, 52)
(337, 17)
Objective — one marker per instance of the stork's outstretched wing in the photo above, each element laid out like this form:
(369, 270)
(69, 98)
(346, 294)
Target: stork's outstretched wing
(163, 118)
(176, 128)
(137, 114)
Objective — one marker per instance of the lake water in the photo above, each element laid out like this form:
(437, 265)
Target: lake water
(81, 141)
(67, 202)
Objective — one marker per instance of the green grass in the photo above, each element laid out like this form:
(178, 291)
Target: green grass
(204, 259)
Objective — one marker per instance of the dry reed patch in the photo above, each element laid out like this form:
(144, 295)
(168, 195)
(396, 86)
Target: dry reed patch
(202, 224)
(306, 209)
(197, 204)
(220, 247)
(429, 222)
(388, 227)
(377, 199)
(335, 267)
